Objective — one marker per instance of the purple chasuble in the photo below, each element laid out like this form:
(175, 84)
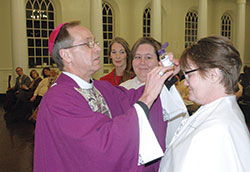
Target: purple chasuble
(156, 117)
(69, 136)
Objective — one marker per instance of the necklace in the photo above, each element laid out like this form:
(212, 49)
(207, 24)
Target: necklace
(115, 78)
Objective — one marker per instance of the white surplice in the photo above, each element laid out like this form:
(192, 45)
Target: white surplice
(213, 139)
(174, 109)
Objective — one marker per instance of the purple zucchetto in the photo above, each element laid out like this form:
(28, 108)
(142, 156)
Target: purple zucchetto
(53, 36)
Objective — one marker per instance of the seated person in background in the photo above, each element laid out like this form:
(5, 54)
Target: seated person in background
(46, 72)
(23, 104)
(119, 52)
(32, 87)
(42, 88)
(14, 93)
(244, 98)
(145, 59)
(215, 138)
(90, 125)
(244, 80)
(245, 77)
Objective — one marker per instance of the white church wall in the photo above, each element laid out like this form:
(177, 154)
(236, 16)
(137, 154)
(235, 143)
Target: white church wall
(174, 23)
(128, 24)
(247, 44)
(5, 45)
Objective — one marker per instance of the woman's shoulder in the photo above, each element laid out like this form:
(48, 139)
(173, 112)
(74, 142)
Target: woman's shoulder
(126, 83)
(131, 83)
(108, 76)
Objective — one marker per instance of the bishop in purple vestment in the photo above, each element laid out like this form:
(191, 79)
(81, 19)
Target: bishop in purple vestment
(71, 133)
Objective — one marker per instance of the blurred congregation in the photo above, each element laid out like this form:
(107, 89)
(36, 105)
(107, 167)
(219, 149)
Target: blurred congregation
(22, 100)
(131, 35)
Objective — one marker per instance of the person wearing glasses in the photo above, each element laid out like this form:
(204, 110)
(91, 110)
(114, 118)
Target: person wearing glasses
(119, 52)
(215, 137)
(14, 94)
(145, 58)
(90, 125)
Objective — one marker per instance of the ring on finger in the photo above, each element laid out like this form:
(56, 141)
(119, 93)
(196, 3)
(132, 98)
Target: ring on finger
(161, 73)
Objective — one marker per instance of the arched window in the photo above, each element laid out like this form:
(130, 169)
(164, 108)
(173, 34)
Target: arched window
(108, 30)
(191, 24)
(146, 22)
(39, 25)
(226, 26)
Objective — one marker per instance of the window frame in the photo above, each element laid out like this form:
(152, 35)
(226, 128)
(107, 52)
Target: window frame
(146, 22)
(191, 27)
(40, 22)
(108, 23)
(226, 26)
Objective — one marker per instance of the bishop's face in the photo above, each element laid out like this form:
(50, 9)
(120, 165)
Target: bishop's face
(84, 55)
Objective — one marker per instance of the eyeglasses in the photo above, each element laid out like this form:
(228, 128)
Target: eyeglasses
(188, 72)
(90, 44)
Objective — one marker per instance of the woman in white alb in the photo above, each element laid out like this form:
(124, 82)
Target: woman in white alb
(144, 58)
(215, 138)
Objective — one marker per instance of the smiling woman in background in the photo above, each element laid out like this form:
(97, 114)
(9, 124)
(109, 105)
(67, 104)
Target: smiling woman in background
(145, 58)
(119, 52)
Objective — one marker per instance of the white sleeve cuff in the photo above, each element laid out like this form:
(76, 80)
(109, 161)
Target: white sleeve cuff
(149, 148)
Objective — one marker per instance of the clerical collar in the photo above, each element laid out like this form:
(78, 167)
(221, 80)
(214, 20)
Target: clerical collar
(80, 82)
(138, 82)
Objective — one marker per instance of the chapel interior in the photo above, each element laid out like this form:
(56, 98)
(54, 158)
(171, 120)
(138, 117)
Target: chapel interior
(26, 25)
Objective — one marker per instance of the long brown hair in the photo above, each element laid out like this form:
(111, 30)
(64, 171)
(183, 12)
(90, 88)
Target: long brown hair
(127, 74)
